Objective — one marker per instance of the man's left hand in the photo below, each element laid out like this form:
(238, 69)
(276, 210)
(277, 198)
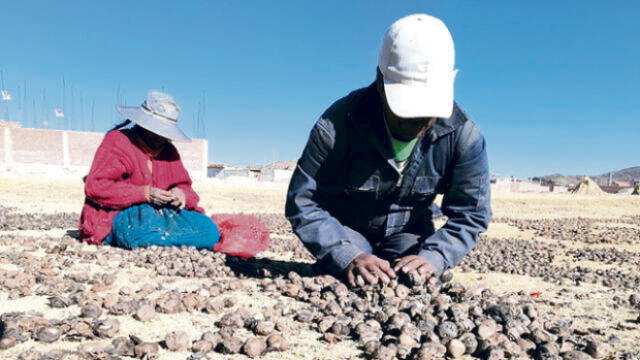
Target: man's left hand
(411, 263)
(180, 200)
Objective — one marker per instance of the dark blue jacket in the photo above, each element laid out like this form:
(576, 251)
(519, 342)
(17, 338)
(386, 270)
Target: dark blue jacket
(346, 176)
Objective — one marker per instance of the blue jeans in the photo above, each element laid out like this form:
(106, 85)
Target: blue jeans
(144, 225)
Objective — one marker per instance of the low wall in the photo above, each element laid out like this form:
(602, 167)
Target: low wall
(519, 186)
(276, 175)
(560, 189)
(60, 152)
(264, 175)
(214, 172)
(524, 186)
(82, 147)
(500, 186)
(228, 173)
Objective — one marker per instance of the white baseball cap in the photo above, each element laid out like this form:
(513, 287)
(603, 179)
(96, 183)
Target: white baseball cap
(417, 64)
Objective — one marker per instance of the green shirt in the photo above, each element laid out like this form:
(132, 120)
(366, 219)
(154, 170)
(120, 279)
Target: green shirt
(402, 149)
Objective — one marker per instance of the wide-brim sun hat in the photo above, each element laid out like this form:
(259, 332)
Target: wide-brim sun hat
(158, 114)
(417, 65)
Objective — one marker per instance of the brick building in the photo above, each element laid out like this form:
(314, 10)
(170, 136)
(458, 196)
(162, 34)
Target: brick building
(61, 152)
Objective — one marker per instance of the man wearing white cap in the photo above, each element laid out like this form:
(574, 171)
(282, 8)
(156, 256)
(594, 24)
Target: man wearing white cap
(361, 197)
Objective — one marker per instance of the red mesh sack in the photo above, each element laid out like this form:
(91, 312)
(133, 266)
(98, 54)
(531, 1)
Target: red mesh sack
(241, 235)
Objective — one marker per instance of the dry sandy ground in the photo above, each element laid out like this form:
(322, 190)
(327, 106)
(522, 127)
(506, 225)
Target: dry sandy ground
(54, 196)
(40, 195)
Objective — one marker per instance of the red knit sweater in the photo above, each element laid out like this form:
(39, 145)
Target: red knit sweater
(121, 175)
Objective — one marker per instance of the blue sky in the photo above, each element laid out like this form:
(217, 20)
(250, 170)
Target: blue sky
(553, 85)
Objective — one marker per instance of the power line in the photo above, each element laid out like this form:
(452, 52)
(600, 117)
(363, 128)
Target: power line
(43, 107)
(204, 114)
(6, 105)
(81, 111)
(25, 118)
(72, 118)
(64, 105)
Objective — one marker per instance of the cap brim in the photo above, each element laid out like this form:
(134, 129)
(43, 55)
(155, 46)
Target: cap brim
(432, 99)
(159, 126)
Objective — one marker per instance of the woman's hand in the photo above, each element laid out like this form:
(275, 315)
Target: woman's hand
(160, 197)
(180, 200)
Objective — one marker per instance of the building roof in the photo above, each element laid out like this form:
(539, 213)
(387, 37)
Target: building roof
(614, 189)
(217, 166)
(11, 124)
(623, 184)
(283, 165)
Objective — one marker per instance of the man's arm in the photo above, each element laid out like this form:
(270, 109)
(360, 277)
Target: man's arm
(321, 233)
(466, 202)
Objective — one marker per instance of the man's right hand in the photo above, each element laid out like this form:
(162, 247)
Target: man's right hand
(371, 268)
(160, 197)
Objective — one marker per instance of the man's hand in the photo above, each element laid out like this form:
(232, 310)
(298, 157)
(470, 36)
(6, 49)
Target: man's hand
(412, 263)
(371, 268)
(160, 197)
(180, 200)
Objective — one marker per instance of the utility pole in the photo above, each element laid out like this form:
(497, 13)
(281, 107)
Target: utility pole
(6, 112)
(610, 178)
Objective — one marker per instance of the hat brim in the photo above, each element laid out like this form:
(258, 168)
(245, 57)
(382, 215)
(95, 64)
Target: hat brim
(431, 99)
(156, 125)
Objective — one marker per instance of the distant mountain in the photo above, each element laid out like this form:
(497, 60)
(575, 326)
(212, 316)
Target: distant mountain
(629, 175)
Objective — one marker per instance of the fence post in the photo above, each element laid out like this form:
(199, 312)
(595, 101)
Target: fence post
(205, 158)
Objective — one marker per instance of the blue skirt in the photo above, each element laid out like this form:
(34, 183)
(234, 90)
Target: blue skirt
(144, 225)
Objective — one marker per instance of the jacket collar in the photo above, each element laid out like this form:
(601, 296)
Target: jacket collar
(367, 118)
(444, 126)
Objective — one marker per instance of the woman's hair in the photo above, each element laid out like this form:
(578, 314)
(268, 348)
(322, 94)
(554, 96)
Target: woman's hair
(120, 126)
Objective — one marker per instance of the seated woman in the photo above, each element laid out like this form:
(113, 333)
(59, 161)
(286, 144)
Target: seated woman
(138, 192)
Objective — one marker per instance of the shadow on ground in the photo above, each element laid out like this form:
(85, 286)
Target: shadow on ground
(74, 234)
(268, 268)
